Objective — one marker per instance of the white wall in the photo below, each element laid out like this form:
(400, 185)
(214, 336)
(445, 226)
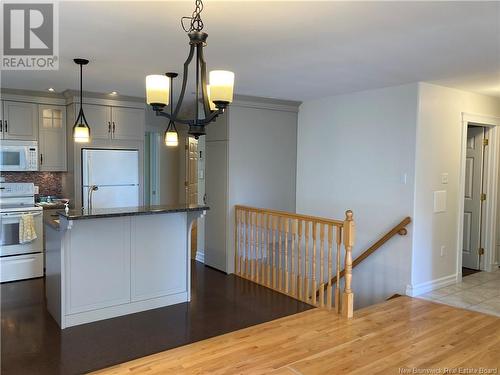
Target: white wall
(438, 151)
(354, 152)
(251, 156)
(262, 157)
(262, 152)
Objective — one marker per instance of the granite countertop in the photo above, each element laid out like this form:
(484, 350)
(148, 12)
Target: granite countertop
(130, 211)
(51, 205)
(51, 218)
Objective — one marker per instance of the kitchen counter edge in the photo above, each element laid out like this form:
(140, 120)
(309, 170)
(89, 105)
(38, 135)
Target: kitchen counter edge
(130, 211)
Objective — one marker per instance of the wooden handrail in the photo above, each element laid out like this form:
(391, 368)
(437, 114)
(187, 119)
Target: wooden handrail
(294, 254)
(398, 229)
(315, 219)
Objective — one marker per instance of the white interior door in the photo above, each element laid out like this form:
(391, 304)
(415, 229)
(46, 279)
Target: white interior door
(192, 186)
(472, 199)
(192, 172)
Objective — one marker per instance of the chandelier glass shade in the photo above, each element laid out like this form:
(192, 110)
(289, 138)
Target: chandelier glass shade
(171, 137)
(215, 94)
(158, 90)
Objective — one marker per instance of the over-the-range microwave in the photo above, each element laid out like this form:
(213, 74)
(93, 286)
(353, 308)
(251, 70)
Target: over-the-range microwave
(18, 156)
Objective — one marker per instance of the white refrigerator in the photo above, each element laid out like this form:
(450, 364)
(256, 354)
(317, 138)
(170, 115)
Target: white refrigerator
(116, 175)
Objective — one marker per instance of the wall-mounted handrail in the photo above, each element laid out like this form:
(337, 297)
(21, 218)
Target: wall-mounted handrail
(398, 229)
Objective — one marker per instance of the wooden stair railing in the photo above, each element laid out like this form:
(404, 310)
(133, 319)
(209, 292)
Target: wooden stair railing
(398, 229)
(294, 254)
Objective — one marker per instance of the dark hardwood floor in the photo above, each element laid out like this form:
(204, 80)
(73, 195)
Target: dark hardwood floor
(32, 342)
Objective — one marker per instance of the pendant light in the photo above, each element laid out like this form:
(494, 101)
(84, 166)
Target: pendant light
(81, 129)
(171, 135)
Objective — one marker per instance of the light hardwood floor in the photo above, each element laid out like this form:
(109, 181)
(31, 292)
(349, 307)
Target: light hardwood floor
(401, 333)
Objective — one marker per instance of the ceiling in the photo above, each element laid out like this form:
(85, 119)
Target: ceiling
(290, 50)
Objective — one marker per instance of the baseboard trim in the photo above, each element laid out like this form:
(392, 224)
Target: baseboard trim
(428, 286)
(200, 256)
(124, 309)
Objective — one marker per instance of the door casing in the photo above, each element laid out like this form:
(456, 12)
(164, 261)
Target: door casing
(473, 205)
(490, 188)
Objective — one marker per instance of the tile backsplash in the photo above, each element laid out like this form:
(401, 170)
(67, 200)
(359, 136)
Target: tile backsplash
(49, 183)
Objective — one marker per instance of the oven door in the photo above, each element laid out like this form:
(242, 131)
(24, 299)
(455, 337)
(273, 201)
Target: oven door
(9, 234)
(13, 158)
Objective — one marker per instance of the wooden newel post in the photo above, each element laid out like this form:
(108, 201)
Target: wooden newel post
(348, 296)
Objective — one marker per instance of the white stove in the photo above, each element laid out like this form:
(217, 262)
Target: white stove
(19, 260)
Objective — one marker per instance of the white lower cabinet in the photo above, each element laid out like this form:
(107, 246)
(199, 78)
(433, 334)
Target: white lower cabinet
(100, 268)
(158, 262)
(98, 278)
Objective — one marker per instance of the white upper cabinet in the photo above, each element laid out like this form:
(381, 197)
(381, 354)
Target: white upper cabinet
(52, 138)
(127, 123)
(108, 122)
(19, 121)
(98, 118)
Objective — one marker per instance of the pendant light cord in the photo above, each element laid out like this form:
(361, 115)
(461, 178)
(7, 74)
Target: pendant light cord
(171, 123)
(81, 86)
(81, 115)
(171, 96)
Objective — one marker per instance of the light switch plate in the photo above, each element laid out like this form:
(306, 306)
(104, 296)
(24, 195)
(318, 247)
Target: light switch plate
(444, 178)
(37, 190)
(443, 250)
(440, 201)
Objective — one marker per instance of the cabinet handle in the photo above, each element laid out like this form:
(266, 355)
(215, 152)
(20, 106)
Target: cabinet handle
(113, 127)
(6, 129)
(1, 126)
(41, 159)
(109, 127)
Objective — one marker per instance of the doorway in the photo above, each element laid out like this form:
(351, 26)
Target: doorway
(474, 197)
(480, 162)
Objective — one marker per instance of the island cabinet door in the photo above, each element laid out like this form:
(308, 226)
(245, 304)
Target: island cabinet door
(98, 264)
(159, 256)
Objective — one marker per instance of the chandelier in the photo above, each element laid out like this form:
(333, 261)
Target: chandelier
(215, 95)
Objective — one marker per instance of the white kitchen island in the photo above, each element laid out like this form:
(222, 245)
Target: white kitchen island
(112, 262)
